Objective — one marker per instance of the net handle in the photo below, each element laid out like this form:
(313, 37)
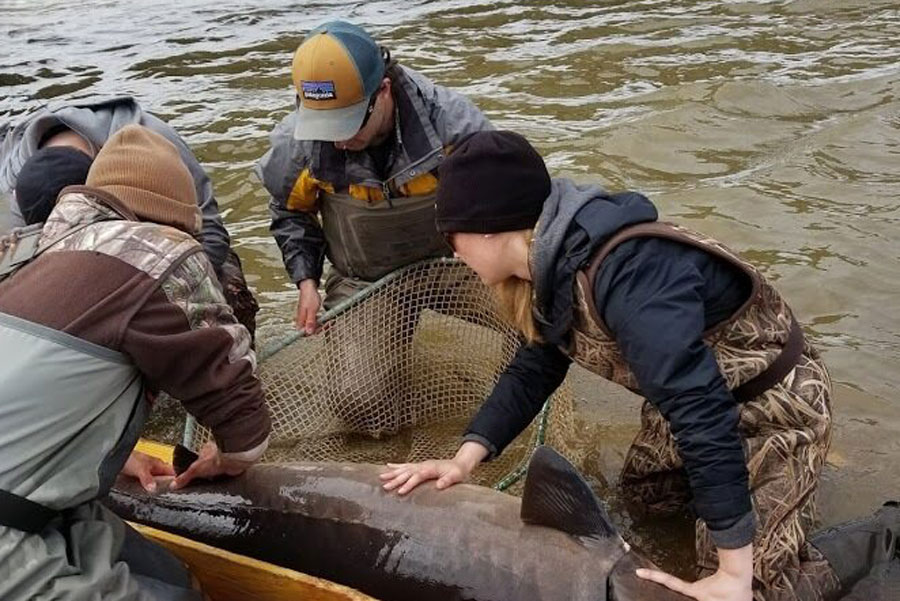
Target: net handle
(516, 475)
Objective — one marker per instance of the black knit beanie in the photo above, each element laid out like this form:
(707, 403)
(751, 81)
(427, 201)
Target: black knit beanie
(493, 181)
(43, 175)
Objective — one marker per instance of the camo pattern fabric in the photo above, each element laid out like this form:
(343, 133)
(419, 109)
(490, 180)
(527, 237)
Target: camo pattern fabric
(159, 251)
(149, 247)
(237, 293)
(786, 430)
(786, 433)
(192, 286)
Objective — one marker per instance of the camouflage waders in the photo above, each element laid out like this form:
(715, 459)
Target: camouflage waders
(785, 423)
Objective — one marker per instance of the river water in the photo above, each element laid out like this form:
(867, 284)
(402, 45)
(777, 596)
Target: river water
(772, 125)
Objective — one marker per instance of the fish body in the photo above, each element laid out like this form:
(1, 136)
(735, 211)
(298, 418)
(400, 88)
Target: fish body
(334, 521)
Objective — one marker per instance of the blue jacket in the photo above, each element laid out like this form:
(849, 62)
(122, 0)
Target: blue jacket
(657, 297)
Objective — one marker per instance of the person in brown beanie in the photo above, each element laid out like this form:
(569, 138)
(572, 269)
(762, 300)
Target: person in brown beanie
(53, 148)
(143, 171)
(737, 417)
(116, 303)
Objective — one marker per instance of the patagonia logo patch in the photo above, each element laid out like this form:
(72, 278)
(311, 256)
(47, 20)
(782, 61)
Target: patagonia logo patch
(318, 90)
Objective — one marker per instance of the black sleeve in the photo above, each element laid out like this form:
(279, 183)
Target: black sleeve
(653, 304)
(301, 240)
(534, 373)
(296, 229)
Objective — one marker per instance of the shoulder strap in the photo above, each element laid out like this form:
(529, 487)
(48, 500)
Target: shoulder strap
(18, 247)
(22, 245)
(786, 360)
(668, 231)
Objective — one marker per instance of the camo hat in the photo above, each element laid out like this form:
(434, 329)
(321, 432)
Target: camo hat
(336, 70)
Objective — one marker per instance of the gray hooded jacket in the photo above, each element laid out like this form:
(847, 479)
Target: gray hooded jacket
(96, 120)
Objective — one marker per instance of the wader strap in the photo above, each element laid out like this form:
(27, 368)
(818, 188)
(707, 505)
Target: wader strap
(778, 370)
(18, 247)
(22, 245)
(23, 514)
(667, 231)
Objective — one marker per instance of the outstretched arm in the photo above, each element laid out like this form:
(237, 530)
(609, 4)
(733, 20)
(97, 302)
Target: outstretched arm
(653, 304)
(523, 388)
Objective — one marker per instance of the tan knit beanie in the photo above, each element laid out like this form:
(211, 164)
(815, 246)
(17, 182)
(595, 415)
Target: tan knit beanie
(145, 172)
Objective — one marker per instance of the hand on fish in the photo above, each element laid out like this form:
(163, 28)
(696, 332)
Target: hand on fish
(447, 472)
(733, 581)
(210, 463)
(146, 468)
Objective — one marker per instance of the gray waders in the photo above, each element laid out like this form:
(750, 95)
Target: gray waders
(366, 242)
(70, 414)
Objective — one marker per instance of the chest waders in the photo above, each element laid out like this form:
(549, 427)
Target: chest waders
(783, 395)
(367, 241)
(111, 396)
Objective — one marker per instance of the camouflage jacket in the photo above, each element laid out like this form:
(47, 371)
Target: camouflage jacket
(149, 293)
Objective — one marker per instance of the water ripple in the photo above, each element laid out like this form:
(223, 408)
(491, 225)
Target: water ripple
(772, 124)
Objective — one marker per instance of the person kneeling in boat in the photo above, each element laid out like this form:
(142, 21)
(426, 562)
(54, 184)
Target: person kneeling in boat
(51, 148)
(736, 399)
(115, 302)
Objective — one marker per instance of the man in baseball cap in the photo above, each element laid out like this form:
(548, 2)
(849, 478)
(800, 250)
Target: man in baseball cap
(352, 173)
(336, 72)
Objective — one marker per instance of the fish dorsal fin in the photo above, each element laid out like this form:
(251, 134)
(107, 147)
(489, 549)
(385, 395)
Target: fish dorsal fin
(556, 496)
(182, 458)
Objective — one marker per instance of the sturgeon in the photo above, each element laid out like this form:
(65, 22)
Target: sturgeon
(334, 521)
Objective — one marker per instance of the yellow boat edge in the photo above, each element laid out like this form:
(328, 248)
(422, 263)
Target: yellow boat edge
(227, 576)
(155, 449)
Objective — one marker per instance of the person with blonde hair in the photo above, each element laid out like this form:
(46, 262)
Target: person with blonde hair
(737, 416)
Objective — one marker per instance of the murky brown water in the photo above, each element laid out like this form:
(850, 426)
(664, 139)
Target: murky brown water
(773, 125)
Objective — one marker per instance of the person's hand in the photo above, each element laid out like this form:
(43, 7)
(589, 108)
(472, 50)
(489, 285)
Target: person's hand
(732, 582)
(308, 304)
(447, 472)
(209, 464)
(145, 468)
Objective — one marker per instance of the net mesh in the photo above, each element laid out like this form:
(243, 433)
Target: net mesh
(395, 374)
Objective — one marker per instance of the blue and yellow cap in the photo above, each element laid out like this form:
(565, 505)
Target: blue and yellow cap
(336, 69)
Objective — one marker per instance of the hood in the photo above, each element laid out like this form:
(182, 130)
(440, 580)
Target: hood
(576, 220)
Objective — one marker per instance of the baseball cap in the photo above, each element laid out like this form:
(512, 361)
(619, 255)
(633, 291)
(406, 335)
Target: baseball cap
(336, 69)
